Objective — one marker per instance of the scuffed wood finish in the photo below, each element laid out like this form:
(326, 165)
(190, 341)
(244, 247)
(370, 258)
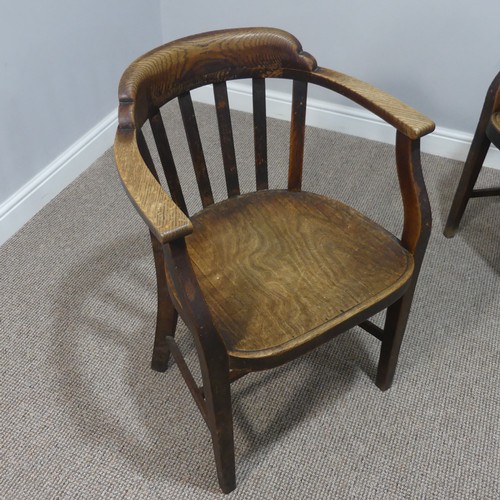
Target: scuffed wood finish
(182, 65)
(263, 277)
(268, 291)
(487, 132)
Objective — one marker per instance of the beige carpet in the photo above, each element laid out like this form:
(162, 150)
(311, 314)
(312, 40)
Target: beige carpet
(83, 416)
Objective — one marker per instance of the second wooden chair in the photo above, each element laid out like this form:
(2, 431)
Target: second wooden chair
(487, 132)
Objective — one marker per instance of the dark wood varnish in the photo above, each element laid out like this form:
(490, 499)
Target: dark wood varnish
(167, 160)
(260, 132)
(196, 149)
(264, 277)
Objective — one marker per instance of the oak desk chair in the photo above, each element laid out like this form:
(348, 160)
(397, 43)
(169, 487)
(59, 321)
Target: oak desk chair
(264, 277)
(487, 132)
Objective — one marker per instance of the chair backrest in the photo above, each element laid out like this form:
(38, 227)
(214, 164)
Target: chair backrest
(173, 70)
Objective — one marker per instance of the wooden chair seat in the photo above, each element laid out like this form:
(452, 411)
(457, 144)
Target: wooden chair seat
(268, 293)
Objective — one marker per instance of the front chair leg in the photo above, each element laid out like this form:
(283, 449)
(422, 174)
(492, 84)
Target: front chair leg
(166, 316)
(394, 329)
(217, 393)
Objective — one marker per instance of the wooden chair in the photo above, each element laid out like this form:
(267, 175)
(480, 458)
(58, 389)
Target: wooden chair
(262, 277)
(487, 132)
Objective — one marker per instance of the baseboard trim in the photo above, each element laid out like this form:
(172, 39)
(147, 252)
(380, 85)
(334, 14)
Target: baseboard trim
(349, 120)
(36, 193)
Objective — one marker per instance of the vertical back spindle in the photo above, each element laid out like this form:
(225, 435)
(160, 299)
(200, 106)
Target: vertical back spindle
(297, 135)
(146, 155)
(167, 160)
(260, 132)
(226, 139)
(196, 149)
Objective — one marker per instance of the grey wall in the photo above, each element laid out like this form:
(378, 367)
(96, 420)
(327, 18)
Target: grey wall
(438, 56)
(60, 62)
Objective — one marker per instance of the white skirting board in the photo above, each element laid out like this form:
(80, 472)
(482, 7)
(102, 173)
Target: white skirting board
(36, 193)
(349, 120)
(28, 200)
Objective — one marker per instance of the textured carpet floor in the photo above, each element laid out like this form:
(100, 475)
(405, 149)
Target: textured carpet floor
(83, 416)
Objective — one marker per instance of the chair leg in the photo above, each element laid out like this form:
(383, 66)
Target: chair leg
(394, 329)
(166, 316)
(220, 419)
(470, 173)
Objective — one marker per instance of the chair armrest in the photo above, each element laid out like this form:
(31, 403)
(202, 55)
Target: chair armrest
(405, 119)
(164, 218)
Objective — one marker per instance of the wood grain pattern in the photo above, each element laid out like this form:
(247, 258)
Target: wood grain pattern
(164, 218)
(267, 290)
(404, 118)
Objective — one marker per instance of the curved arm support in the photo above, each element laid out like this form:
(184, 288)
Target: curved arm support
(401, 116)
(417, 211)
(164, 218)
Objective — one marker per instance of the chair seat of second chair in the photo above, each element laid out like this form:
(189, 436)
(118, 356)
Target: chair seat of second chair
(494, 129)
(279, 269)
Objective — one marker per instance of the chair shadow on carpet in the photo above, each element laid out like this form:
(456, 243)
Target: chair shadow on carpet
(118, 405)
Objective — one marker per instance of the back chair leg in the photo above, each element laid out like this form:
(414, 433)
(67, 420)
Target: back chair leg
(220, 422)
(166, 316)
(394, 329)
(470, 173)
